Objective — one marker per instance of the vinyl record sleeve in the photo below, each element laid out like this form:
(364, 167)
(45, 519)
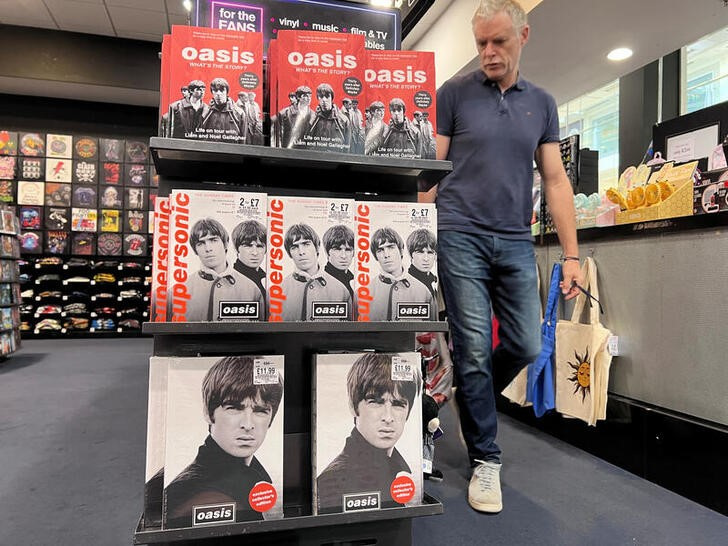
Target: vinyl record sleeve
(397, 279)
(213, 286)
(31, 242)
(59, 146)
(137, 151)
(203, 452)
(110, 221)
(136, 174)
(59, 170)
(109, 244)
(400, 95)
(303, 285)
(85, 172)
(83, 244)
(160, 265)
(56, 242)
(331, 67)
(57, 218)
(31, 144)
(8, 142)
(10, 246)
(111, 149)
(84, 219)
(84, 196)
(111, 172)
(135, 221)
(31, 193)
(156, 421)
(8, 167)
(85, 147)
(57, 195)
(232, 59)
(110, 197)
(7, 191)
(135, 198)
(31, 168)
(31, 217)
(358, 455)
(135, 245)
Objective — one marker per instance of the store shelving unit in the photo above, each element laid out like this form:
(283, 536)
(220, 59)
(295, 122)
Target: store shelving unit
(10, 300)
(185, 164)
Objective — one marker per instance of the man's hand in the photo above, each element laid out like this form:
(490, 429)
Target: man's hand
(571, 273)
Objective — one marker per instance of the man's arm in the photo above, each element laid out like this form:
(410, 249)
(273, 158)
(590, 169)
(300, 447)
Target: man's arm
(560, 200)
(443, 146)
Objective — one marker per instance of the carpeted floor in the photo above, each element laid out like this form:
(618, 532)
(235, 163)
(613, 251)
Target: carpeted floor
(72, 434)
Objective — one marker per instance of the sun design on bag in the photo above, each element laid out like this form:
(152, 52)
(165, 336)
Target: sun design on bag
(582, 372)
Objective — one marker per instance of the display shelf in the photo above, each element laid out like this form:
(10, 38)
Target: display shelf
(188, 159)
(143, 535)
(10, 304)
(226, 328)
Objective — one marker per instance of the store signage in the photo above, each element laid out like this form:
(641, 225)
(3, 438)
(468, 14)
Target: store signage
(380, 27)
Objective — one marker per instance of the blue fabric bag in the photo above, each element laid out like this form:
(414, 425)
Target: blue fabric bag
(541, 386)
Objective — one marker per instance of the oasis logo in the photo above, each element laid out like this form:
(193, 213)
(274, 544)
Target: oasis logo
(214, 513)
(409, 75)
(413, 310)
(338, 59)
(330, 310)
(233, 55)
(239, 310)
(361, 502)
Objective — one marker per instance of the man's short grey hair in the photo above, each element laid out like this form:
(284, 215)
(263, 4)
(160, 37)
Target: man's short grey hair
(489, 8)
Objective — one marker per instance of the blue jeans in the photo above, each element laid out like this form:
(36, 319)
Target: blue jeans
(480, 274)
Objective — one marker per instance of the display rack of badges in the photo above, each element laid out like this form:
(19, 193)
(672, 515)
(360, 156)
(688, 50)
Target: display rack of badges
(184, 166)
(10, 279)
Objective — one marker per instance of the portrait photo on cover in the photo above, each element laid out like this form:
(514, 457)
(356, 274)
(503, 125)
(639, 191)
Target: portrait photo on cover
(224, 440)
(368, 431)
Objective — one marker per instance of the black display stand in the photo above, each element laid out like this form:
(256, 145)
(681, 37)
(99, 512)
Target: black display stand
(185, 164)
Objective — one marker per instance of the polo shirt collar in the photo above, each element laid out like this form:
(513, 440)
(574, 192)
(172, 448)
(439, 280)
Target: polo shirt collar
(520, 84)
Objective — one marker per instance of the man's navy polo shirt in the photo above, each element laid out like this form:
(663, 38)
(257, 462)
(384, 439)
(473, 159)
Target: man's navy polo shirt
(493, 139)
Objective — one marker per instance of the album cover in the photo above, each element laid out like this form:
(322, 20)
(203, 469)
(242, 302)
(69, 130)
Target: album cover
(160, 251)
(135, 221)
(59, 170)
(56, 242)
(109, 244)
(223, 464)
(59, 146)
(7, 191)
(31, 217)
(217, 268)
(311, 249)
(110, 197)
(86, 147)
(31, 168)
(9, 246)
(366, 431)
(111, 173)
(156, 417)
(85, 172)
(135, 245)
(400, 100)
(8, 142)
(325, 71)
(31, 193)
(135, 198)
(83, 244)
(136, 174)
(397, 278)
(57, 218)
(84, 219)
(31, 144)
(223, 72)
(8, 167)
(7, 225)
(57, 195)
(84, 196)
(111, 149)
(110, 221)
(137, 151)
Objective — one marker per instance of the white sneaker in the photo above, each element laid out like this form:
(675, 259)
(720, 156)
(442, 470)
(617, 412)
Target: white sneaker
(484, 491)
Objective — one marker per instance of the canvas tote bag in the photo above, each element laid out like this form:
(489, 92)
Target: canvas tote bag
(582, 359)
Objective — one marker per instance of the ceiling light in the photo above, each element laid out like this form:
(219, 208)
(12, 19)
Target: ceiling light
(619, 54)
(187, 4)
(382, 3)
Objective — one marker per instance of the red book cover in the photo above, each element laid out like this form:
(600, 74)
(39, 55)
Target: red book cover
(164, 87)
(160, 262)
(324, 71)
(400, 104)
(223, 72)
(275, 137)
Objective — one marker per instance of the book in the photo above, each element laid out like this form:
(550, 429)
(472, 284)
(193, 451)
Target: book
(322, 70)
(311, 250)
(217, 260)
(396, 261)
(221, 71)
(400, 92)
(224, 464)
(163, 123)
(156, 417)
(366, 431)
(160, 265)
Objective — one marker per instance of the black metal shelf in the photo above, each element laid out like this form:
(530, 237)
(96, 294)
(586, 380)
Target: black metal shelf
(143, 535)
(224, 328)
(297, 169)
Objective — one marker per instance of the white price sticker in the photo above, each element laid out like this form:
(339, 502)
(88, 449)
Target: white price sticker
(402, 369)
(264, 372)
(613, 345)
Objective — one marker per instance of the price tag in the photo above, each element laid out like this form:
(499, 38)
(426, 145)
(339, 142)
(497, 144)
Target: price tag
(264, 372)
(402, 369)
(613, 345)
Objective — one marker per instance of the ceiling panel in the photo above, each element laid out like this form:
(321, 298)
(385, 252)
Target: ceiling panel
(132, 20)
(175, 19)
(148, 5)
(31, 13)
(71, 15)
(143, 36)
(175, 6)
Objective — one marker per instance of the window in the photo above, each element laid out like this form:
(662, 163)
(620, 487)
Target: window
(706, 72)
(595, 116)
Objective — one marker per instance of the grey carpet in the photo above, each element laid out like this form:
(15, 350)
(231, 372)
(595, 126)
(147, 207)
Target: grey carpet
(72, 435)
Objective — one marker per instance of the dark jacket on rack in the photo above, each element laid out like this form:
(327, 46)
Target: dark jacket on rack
(184, 119)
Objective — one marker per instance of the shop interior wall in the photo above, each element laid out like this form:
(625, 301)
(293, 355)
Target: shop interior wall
(663, 295)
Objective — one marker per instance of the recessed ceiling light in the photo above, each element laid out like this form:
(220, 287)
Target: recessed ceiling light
(619, 54)
(187, 4)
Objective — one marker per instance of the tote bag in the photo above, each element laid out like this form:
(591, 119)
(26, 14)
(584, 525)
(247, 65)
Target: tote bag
(582, 359)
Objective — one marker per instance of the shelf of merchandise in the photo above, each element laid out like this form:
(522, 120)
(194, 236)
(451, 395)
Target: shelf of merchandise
(11, 335)
(188, 164)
